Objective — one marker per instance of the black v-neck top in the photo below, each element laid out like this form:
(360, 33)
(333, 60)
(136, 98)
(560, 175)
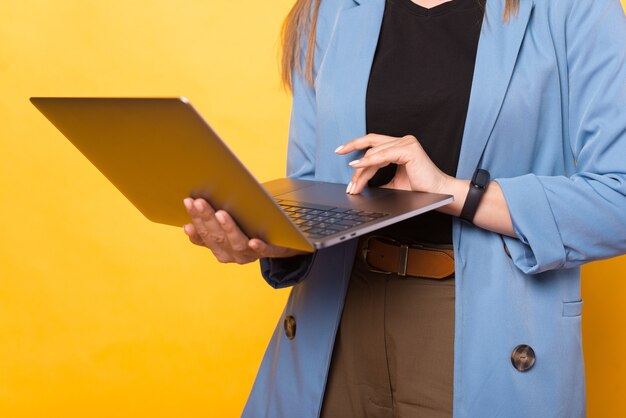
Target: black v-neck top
(420, 85)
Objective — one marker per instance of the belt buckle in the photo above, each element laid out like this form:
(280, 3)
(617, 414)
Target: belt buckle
(402, 261)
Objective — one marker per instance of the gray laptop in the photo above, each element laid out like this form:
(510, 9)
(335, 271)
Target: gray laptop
(158, 151)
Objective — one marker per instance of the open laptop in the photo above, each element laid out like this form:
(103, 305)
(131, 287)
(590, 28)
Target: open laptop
(158, 151)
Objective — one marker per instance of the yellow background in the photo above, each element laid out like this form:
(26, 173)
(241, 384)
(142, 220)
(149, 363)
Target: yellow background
(103, 313)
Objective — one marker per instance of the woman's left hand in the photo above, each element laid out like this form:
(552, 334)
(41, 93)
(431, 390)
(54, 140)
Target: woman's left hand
(416, 171)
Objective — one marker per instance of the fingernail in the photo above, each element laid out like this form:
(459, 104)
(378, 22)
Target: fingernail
(220, 217)
(187, 203)
(348, 188)
(254, 245)
(354, 162)
(339, 148)
(353, 191)
(198, 205)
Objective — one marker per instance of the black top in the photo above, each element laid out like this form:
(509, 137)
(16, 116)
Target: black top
(420, 85)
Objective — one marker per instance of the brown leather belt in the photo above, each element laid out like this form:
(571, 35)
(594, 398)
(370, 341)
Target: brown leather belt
(384, 255)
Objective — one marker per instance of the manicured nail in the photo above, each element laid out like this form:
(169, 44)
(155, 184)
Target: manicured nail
(339, 148)
(348, 188)
(188, 203)
(220, 218)
(354, 162)
(198, 205)
(352, 190)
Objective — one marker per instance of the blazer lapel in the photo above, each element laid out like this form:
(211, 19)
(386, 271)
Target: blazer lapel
(498, 47)
(341, 88)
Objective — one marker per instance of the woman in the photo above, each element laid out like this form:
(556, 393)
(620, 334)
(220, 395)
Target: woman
(544, 117)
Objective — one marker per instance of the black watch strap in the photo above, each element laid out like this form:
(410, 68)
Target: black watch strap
(479, 184)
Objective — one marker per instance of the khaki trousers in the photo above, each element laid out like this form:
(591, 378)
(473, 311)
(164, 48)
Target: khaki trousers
(393, 355)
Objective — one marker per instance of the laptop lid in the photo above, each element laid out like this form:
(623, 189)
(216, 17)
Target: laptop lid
(159, 151)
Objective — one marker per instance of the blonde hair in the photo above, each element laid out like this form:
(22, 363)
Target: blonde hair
(302, 21)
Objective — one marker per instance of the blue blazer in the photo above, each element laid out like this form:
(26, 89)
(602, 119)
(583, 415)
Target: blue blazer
(548, 109)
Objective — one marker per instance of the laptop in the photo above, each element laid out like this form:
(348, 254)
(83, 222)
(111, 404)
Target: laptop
(158, 151)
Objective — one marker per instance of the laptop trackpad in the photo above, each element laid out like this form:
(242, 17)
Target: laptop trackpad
(334, 195)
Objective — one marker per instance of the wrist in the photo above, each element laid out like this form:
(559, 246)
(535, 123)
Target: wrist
(458, 189)
(447, 184)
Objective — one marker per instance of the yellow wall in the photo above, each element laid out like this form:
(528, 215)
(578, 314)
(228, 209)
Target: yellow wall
(105, 314)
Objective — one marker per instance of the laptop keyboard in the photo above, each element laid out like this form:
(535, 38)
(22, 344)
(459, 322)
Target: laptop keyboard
(318, 221)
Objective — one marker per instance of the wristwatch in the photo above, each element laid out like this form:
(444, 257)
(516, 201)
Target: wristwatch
(478, 185)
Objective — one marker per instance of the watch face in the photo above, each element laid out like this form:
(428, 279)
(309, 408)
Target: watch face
(481, 178)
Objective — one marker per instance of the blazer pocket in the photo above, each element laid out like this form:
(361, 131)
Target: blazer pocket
(573, 308)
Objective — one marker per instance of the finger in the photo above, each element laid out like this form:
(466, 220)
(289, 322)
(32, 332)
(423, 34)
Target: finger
(405, 143)
(361, 177)
(398, 155)
(397, 142)
(221, 256)
(192, 234)
(262, 248)
(207, 227)
(203, 238)
(188, 202)
(237, 240)
(367, 141)
(393, 142)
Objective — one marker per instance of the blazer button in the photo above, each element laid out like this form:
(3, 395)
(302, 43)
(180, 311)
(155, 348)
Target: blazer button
(523, 357)
(290, 327)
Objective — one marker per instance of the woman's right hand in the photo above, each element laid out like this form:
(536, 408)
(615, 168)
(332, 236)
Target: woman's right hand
(217, 231)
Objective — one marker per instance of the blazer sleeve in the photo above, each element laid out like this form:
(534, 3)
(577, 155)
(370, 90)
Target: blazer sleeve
(284, 272)
(562, 222)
